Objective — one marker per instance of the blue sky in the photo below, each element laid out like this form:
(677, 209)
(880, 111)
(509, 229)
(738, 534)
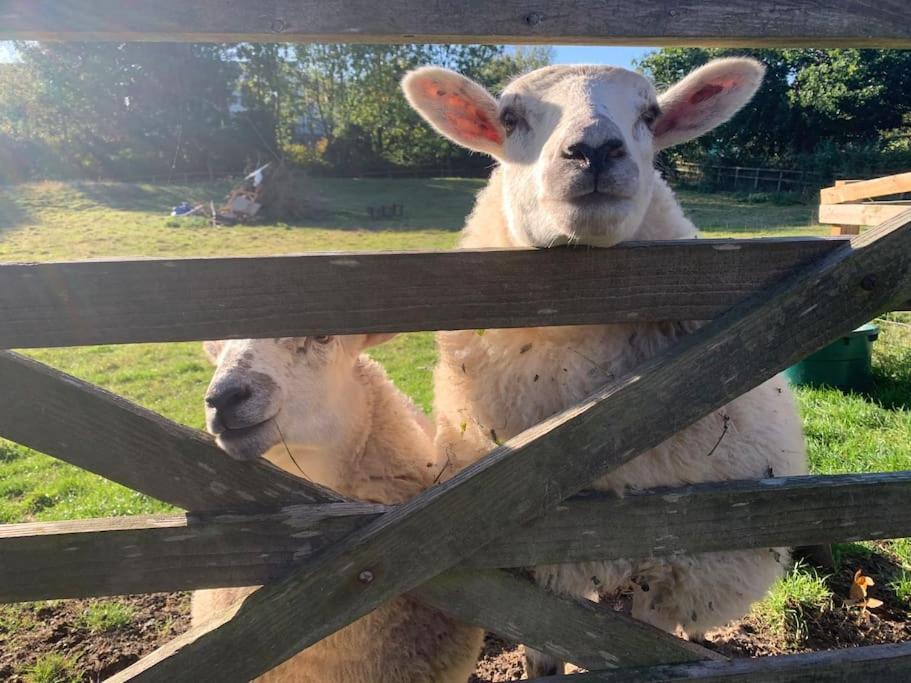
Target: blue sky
(563, 54)
(586, 54)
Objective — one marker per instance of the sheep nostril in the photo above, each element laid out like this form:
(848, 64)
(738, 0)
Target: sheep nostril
(225, 398)
(578, 152)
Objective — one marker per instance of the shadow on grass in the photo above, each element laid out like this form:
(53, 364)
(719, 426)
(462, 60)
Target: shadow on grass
(12, 212)
(150, 198)
(343, 203)
(886, 391)
(890, 391)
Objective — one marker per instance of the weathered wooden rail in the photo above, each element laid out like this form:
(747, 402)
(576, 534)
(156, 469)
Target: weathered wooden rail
(770, 303)
(61, 304)
(838, 23)
(84, 558)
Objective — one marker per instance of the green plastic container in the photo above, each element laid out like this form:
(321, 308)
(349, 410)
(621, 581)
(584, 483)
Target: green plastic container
(844, 364)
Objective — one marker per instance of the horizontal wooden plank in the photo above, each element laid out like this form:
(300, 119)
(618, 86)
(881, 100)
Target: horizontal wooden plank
(887, 663)
(836, 23)
(86, 426)
(860, 214)
(866, 189)
(585, 633)
(784, 511)
(65, 304)
(531, 474)
(120, 556)
(83, 558)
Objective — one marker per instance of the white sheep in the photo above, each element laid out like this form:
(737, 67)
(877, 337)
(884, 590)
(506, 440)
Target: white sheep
(317, 408)
(576, 147)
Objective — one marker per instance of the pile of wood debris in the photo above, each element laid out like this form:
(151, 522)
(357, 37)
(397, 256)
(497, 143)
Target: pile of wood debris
(269, 193)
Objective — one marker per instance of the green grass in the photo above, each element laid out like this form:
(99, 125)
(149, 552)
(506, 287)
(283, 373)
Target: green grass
(754, 215)
(15, 618)
(52, 668)
(67, 221)
(54, 221)
(901, 586)
(104, 616)
(791, 601)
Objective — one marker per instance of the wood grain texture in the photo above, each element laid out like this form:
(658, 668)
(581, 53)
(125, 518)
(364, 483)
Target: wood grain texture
(886, 663)
(65, 304)
(168, 553)
(531, 474)
(835, 23)
(784, 511)
(871, 213)
(125, 555)
(589, 635)
(72, 420)
(86, 558)
(866, 189)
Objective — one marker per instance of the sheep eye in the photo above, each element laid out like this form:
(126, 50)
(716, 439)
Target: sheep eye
(650, 115)
(322, 339)
(510, 120)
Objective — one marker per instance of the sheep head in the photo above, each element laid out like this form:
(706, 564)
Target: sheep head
(302, 397)
(576, 144)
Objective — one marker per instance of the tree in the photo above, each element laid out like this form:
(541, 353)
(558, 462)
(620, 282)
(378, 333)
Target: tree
(129, 107)
(349, 96)
(809, 99)
(145, 108)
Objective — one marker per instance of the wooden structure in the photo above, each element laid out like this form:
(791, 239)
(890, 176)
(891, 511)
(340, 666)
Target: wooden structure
(327, 561)
(745, 178)
(851, 204)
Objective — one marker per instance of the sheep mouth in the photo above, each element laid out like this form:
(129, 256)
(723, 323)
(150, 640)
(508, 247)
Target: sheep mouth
(594, 198)
(248, 443)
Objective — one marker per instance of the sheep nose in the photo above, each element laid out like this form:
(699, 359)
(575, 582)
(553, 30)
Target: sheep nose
(226, 397)
(596, 159)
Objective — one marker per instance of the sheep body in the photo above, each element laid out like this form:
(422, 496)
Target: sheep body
(491, 386)
(401, 641)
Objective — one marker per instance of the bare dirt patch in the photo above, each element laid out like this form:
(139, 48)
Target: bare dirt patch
(30, 632)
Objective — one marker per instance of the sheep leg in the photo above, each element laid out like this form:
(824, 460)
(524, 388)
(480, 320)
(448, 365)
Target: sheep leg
(538, 664)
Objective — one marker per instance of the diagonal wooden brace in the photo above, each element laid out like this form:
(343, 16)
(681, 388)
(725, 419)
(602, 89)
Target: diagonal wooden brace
(183, 466)
(86, 426)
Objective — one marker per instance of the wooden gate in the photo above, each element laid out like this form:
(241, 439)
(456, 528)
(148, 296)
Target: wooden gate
(327, 561)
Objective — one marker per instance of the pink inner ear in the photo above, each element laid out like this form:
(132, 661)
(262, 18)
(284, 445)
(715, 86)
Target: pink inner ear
(462, 114)
(473, 124)
(706, 92)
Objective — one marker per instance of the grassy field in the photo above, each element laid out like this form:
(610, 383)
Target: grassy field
(57, 221)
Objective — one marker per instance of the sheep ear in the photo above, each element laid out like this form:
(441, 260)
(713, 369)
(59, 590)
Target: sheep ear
(378, 338)
(213, 350)
(457, 107)
(706, 98)
(356, 343)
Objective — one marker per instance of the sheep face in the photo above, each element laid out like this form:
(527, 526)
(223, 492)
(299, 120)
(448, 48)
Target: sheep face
(300, 394)
(576, 144)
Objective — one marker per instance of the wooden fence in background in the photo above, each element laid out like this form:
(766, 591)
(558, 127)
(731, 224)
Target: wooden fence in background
(770, 304)
(852, 204)
(746, 178)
